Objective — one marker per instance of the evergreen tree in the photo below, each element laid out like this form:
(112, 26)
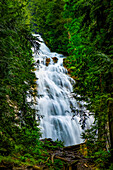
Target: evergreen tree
(47, 20)
(17, 116)
(90, 63)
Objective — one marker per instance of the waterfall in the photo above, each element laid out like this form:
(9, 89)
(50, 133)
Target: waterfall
(55, 98)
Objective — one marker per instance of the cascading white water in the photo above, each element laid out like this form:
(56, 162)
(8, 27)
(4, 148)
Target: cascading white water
(55, 100)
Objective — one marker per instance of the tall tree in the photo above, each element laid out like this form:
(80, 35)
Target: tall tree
(17, 79)
(90, 35)
(47, 19)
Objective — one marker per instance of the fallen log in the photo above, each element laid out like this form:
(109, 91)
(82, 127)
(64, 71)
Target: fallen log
(73, 147)
(63, 159)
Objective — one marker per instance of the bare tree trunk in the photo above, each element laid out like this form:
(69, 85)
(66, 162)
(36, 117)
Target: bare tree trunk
(110, 118)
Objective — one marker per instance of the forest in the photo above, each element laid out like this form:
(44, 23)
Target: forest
(82, 30)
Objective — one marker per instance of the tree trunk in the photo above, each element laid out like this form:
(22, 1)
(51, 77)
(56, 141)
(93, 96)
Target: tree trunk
(110, 117)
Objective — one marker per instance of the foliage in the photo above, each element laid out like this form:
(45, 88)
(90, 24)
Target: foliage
(18, 127)
(58, 164)
(111, 167)
(89, 24)
(84, 30)
(49, 144)
(47, 20)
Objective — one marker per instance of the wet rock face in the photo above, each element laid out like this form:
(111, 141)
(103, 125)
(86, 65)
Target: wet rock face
(47, 61)
(55, 59)
(38, 61)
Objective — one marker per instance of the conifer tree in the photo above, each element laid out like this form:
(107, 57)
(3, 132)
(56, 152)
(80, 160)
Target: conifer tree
(47, 20)
(89, 27)
(17, 80)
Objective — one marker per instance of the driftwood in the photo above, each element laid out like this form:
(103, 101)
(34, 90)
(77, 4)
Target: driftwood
(63, 159)
(73, 147)
(68, 154)
(52, 158)
(72, 156)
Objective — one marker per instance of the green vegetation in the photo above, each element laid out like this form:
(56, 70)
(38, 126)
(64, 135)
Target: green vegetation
(33, 157)
(91, 54)
(18, 127)
(19, 131)
(50, 145)
(48, 20)
(88, 27)
(84, 31)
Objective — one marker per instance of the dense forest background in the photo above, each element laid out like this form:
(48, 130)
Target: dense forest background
(83, 31)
